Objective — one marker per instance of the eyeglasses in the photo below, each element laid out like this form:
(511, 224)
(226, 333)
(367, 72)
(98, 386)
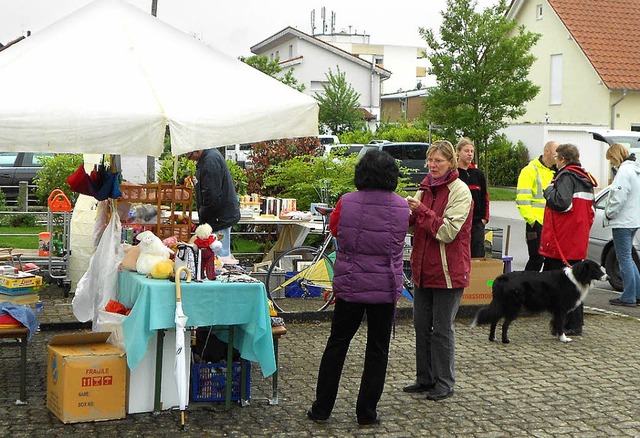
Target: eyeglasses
(437, 161)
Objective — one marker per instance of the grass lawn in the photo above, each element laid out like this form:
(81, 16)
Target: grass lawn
(502, 194)
(240, 245)
(23, 242)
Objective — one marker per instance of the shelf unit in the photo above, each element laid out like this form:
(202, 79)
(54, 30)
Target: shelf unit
(167, 198)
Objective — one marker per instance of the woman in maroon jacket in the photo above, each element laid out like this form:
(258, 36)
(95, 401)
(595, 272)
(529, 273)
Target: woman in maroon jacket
(440, 263)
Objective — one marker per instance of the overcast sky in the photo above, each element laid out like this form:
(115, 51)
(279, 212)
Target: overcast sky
(233, 26)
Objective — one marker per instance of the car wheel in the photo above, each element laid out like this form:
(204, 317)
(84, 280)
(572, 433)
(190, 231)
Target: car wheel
(613, 269)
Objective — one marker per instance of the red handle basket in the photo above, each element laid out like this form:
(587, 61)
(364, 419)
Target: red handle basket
(58, 201)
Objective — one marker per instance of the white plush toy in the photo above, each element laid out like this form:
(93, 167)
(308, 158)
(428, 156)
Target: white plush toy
(152, 251)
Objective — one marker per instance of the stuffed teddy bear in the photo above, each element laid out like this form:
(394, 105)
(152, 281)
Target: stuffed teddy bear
(152, 251)
(208, 244)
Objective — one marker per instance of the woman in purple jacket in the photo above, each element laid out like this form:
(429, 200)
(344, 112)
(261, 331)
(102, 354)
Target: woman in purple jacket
(370, 226)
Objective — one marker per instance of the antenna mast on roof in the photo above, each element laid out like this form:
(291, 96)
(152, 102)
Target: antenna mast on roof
(323, 15)
(313, 22)
(333, 22)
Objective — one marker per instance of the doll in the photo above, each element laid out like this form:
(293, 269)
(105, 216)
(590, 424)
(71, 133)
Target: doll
(208, 244)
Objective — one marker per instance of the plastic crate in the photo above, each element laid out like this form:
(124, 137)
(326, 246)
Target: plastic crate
(208, 382)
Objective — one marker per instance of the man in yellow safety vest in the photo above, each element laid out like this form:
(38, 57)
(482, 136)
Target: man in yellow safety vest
(533, 179)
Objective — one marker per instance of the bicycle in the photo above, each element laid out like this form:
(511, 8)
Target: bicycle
(300, 279)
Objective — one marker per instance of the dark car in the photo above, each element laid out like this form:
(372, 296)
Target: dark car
(411, 156)
(16, 167)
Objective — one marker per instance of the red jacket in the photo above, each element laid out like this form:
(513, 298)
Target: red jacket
(568, 214)
(442, 227)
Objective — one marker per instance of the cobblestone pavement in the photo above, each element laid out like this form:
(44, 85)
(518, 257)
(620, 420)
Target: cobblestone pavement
(534, 386)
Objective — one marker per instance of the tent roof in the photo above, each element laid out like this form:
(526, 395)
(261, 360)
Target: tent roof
(109, 78)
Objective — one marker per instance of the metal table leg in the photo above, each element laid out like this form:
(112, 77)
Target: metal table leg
(157, 402)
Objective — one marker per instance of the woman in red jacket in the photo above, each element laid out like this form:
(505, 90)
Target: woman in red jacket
(440, 263)
(568, 216)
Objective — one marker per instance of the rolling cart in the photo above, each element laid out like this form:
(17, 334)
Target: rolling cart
(59, 218)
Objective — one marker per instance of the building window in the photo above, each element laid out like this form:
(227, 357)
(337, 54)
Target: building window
(538, 12)
(635, 127)
(278, 54)
(378, 61)
(555, 92)
(290, 51)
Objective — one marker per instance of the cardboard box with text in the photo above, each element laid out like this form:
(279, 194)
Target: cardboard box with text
(483, 272)
(86, 378)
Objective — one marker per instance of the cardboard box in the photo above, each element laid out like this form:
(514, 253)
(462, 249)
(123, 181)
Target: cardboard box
(483, 272)
(86, 378)
(20, 280)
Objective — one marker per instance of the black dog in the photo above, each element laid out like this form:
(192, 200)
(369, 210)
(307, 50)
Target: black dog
(558, 292)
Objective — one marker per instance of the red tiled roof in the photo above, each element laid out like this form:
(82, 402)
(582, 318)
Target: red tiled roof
(608, 32)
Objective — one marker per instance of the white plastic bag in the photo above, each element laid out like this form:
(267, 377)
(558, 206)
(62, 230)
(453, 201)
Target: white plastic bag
(98, 285)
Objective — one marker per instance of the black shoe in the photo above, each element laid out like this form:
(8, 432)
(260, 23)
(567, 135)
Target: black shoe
(370, 422)
(573, 332)
(311, 416)
(619, 302)
(419, 387)
(435, 396)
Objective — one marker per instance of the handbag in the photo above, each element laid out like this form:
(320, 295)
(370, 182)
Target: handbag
(187, 255)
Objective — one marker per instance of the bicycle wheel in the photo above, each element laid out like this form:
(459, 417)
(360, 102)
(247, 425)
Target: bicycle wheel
(299, 280)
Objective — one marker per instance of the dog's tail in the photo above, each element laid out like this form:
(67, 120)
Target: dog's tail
(485, 315)
(492, 312)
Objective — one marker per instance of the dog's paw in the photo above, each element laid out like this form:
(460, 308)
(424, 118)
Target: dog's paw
(563, 338)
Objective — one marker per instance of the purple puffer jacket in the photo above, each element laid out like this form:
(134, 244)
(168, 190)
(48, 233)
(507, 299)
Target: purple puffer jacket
(371, 231)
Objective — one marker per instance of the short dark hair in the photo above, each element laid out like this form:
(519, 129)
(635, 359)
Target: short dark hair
(377, 170)
(570, 153)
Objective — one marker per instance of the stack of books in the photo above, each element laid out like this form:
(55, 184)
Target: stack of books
(20, 288)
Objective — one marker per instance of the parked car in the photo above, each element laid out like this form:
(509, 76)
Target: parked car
(601, 247)
(411, 156)
(342, 149)
(328, 139)
(16, 167)
(238, 153)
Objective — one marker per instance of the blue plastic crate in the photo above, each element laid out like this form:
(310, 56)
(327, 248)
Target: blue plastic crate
(209, 381)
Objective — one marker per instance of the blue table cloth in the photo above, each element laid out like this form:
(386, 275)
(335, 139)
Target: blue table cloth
(153, 303)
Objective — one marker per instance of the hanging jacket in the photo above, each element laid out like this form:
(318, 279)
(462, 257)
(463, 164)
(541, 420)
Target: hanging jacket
(371, 228)
(532, 181)
(441, 256)
(623, 203)
(568, 215)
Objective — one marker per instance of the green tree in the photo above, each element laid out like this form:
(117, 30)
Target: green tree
(273, 69)
(339, 105)
(55, 170)
(481, 61)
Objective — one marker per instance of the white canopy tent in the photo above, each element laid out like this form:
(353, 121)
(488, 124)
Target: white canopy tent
(109, 78)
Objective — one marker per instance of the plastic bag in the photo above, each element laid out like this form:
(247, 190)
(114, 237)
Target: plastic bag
(98, 285)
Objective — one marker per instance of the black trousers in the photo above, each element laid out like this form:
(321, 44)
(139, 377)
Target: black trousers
(575, 318)
(477, 239)
(533, 233)
(346, 321)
